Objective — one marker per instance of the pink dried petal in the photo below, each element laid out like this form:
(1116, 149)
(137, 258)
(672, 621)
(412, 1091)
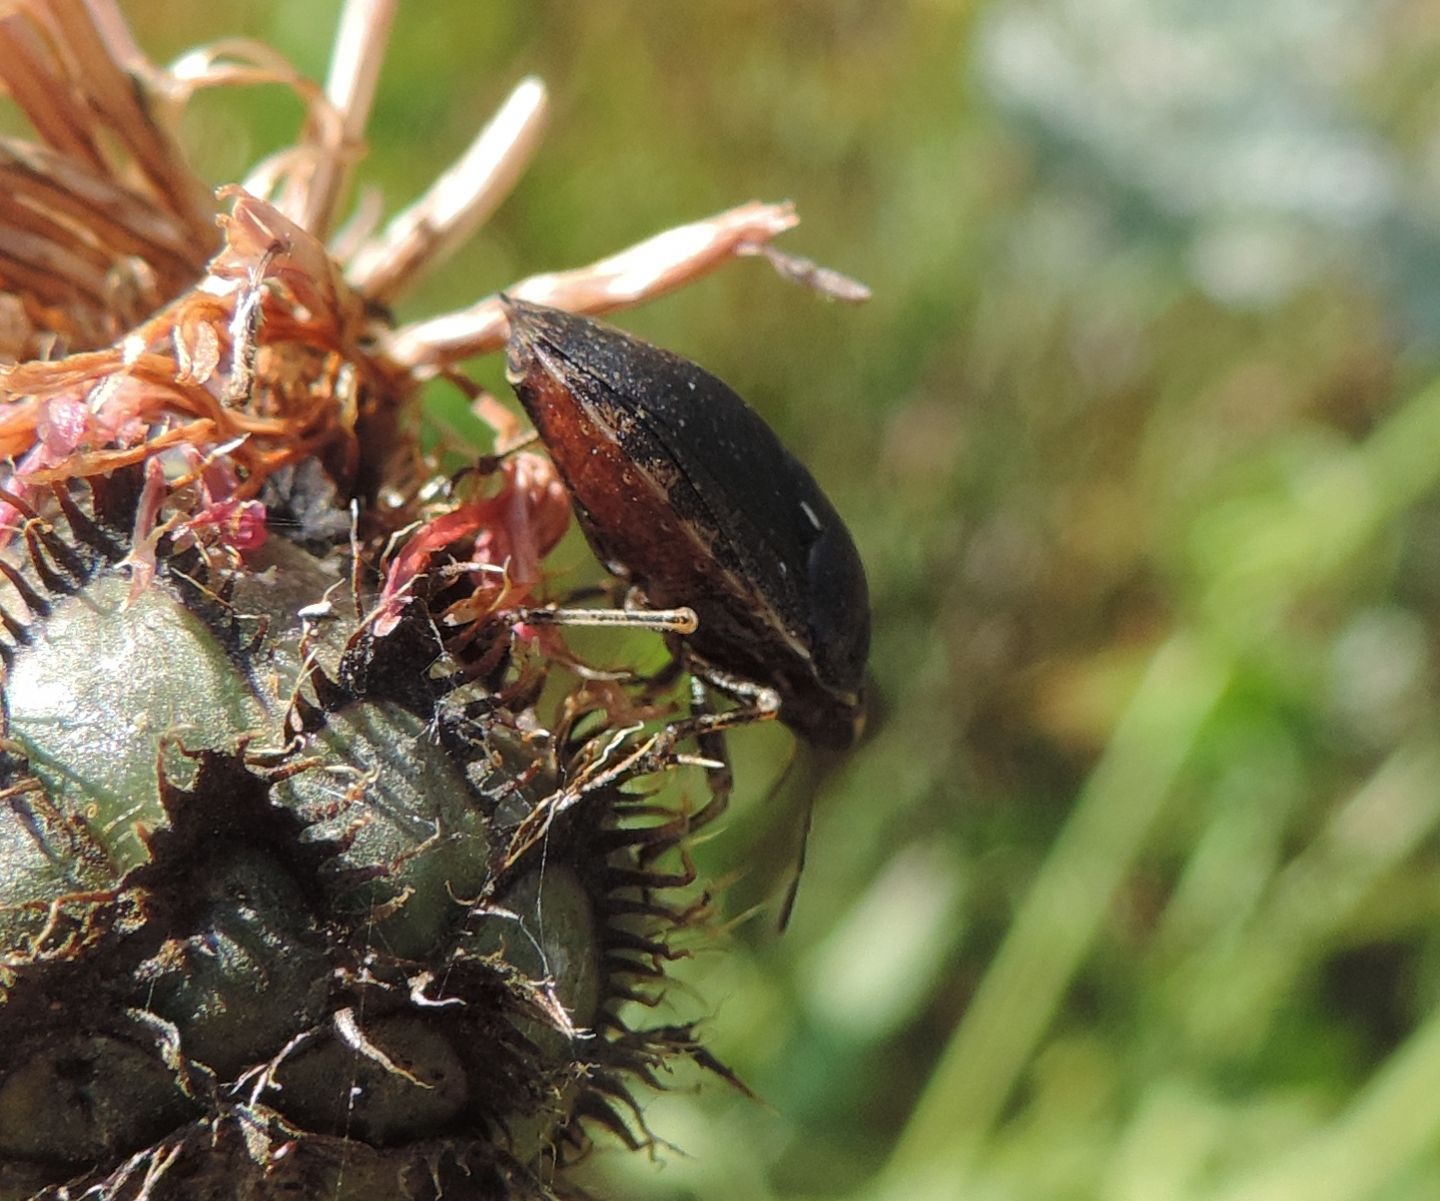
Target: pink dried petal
(537, 514)
(237, 524)
(414, 558)
(63, 425)
(512, 530)
(117, 409)
(145, 536)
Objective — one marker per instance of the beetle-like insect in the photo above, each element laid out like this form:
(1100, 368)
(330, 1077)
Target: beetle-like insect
(684, 491)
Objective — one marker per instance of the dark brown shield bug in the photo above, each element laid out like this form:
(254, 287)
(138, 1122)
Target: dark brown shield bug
(683, 490)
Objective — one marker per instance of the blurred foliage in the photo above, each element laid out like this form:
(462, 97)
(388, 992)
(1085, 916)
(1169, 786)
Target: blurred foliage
(1132, 894)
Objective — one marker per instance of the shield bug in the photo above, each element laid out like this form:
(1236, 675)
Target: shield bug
(683, 490)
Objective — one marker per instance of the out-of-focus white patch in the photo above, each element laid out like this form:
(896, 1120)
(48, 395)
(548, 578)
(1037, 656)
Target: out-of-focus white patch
(881, 960)
(1234, 124)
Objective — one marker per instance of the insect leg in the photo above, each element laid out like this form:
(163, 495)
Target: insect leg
(665, 621)
(656, 753)
(719, 778)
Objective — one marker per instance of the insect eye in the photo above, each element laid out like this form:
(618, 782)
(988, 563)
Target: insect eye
(839, 610)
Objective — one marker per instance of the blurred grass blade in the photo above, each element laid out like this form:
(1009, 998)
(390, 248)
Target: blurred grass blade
(1291, 542)
(1231, 995)
(1065, 907)
(1393, 1120)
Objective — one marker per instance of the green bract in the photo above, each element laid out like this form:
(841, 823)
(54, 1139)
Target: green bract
(252, 935)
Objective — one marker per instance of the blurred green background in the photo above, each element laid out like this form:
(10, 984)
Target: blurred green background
(1133, 893)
